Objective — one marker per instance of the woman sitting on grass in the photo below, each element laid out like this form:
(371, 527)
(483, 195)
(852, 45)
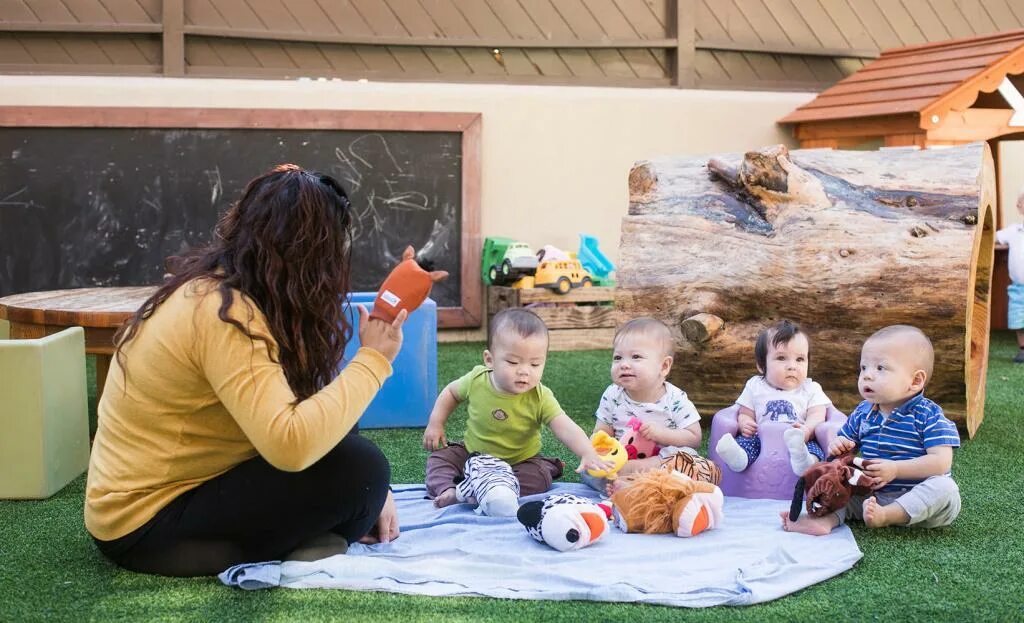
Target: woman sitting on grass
(225, 433)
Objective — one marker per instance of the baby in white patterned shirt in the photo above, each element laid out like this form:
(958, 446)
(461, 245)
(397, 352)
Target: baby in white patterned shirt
(641, 360)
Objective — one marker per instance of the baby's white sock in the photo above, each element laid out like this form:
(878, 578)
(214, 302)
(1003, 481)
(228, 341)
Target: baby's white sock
(800, 458)
(731, 452)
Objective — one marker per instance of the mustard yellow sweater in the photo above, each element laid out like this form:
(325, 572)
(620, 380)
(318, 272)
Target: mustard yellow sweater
(200, 398)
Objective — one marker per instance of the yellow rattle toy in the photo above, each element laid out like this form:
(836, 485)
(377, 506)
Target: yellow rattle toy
(610, 449)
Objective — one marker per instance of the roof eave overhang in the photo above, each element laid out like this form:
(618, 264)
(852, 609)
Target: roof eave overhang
(962, 97)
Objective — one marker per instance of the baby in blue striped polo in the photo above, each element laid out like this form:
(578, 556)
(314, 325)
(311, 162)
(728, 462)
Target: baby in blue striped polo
(909, 439)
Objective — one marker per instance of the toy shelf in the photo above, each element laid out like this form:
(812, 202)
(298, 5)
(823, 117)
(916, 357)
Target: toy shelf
(582, 319)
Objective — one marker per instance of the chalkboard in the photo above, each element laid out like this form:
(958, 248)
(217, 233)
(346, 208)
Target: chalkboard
(105, 202)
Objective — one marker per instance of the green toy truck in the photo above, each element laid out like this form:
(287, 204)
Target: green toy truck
(504, 261)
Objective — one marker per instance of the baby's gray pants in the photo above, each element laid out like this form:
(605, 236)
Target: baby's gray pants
(932, 503)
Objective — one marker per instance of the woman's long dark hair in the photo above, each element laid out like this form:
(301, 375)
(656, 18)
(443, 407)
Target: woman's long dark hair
(285, 245)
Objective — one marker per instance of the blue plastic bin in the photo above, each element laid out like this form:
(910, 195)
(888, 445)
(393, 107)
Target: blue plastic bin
(408, 396)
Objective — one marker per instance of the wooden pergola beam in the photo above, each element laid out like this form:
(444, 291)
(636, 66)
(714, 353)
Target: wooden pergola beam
(174, 37)
(864, 128)
(686, 49)
(425, 42)
(974, 124)
(78, 27)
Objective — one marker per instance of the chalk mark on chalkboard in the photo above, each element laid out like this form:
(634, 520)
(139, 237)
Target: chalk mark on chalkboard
(6, 201)
(154, 202)
(354, 183)
(378, 221)
(153, 197)
(216, 185)
(357, 170)
(410, 200)
(356, 178)
(384, 144)
(436, 246)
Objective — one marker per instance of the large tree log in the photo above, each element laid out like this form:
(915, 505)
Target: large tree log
(842, 242)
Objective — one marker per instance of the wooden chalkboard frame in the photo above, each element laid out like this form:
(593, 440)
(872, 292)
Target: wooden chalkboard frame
(470, 311)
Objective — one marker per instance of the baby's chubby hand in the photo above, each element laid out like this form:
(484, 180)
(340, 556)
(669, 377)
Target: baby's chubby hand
(592, 460)
(840, 445)
(434, 438)
(881, 471)
(652, 431)
(748, 427)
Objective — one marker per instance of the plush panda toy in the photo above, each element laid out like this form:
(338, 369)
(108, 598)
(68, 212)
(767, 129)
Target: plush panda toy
(564, 521)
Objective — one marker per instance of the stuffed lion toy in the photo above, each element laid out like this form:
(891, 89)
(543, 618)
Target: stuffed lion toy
(663, 501)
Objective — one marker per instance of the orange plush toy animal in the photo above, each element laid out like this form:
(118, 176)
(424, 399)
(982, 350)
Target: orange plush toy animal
(662, 501)
(405, 288)
(829, 485)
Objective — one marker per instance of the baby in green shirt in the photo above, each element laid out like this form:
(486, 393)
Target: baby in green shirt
(507, 406)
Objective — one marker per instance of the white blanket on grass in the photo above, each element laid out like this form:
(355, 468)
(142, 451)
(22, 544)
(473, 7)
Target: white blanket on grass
(453, 551)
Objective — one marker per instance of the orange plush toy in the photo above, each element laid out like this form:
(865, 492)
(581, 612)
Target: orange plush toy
(662, 501)
(405, 288)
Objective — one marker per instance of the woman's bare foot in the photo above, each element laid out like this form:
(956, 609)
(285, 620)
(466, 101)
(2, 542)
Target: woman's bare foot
(445, 498)
(878, 516)
(814, 526)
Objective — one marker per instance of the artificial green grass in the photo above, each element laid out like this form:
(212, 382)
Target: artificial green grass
(49, 568)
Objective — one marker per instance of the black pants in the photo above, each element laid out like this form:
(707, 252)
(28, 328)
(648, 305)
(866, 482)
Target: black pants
(255, 512)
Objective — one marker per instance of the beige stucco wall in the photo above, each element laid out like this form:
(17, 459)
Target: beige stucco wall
(555, 159)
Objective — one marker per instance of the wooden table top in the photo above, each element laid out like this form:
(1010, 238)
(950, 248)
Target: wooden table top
(84, 307)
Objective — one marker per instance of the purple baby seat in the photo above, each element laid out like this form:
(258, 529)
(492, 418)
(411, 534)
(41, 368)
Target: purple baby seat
(770, 476)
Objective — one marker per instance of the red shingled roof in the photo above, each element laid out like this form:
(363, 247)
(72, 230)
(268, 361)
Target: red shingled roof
(929, 79)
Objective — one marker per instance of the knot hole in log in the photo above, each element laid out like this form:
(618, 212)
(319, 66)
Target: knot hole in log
(700, 328)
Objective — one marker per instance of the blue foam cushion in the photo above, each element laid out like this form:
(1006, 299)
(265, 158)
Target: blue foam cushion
(408, 396)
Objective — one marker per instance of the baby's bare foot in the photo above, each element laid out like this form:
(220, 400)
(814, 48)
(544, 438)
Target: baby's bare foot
(445, 498)
(614, 485)
(873, 513)
(878, 516)
(814, 526)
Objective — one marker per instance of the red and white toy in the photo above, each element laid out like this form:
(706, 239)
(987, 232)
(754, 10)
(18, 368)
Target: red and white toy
(636, 444)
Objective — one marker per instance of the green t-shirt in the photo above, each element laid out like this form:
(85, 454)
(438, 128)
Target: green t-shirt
(504, 425)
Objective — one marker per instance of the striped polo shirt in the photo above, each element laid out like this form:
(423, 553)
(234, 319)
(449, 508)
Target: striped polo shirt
(908, 432)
